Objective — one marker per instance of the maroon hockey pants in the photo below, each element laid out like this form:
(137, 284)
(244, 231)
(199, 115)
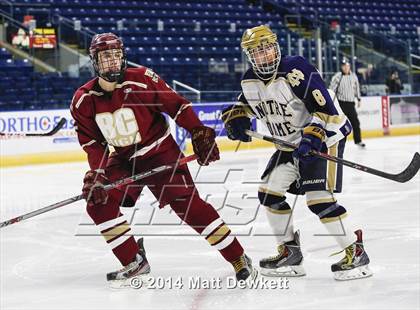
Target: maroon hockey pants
(173, 187)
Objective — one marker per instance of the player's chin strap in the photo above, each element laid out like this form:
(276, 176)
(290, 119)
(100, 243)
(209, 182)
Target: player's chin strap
(401, 177)
(108, 187)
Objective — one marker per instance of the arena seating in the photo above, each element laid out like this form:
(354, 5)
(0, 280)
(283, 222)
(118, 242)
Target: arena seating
(379, 15)
(23, 89)
(204, 56)
(180, 51)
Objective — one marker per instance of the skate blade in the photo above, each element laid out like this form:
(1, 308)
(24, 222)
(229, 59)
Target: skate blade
(252, 277)
(353, 274)
(285, 271)
(138, 281)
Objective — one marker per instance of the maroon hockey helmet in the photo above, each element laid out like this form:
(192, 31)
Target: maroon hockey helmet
(104, 67)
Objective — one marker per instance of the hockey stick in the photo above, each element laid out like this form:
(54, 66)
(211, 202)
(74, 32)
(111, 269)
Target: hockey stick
(401, 177)
(52, 132)
(116, 184)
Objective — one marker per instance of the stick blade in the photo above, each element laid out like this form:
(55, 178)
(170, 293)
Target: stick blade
(410, 171)
(59, 125)
(53, 131)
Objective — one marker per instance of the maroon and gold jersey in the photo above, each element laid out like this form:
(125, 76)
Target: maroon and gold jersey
(130, 118)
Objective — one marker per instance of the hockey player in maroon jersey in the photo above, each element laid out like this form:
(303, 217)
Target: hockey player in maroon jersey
(122, 108)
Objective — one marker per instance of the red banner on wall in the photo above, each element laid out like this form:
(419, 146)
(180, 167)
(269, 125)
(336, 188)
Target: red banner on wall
(385, 114)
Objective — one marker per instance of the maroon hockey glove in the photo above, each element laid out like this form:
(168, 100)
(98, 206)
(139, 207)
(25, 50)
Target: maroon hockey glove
(204, 145)
(93, 187)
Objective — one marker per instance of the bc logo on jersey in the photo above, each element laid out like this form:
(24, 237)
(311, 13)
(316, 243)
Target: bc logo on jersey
(119, 128)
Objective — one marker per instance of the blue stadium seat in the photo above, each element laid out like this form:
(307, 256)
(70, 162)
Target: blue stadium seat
(190, 51)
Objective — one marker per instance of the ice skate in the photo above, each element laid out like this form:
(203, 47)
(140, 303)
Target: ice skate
(243, 269)
(287, 263)
(130, 275)
(355, 264)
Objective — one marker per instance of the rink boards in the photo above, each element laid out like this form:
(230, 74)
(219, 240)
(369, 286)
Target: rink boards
(379, 116)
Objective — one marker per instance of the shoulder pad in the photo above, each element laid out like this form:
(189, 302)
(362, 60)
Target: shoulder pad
(288, 63)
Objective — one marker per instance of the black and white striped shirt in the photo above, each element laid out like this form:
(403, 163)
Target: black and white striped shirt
(346, 86)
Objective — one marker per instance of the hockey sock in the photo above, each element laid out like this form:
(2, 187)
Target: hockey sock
(205, 220)
(115, 229)
(334, 218)
(279, 216)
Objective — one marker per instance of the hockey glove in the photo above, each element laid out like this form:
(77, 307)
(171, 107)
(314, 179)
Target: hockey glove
(93, 187)
(311, 140)
(236, 122)
(204, 145)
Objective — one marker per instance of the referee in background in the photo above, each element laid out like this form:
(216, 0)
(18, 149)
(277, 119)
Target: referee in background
(346, 87)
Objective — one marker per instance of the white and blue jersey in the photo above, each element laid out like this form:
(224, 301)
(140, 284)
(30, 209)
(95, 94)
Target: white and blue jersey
(293, 99)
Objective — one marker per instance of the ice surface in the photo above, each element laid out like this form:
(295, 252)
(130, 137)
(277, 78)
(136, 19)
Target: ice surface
(58, 261)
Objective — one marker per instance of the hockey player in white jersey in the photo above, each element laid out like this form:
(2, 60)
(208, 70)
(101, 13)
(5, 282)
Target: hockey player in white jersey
(289, 96)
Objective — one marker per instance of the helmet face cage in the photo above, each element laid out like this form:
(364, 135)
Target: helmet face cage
(110, 63)
(264, 59)
(108, 57)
